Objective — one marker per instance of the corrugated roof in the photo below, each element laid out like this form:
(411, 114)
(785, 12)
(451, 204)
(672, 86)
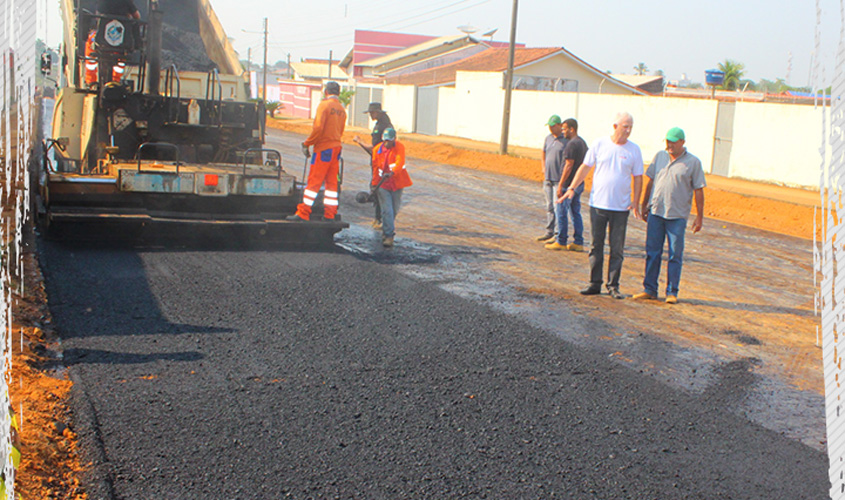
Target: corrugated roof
(489, 60)
(317, 70)
(637, 80)
(495, 59)
(417, 49)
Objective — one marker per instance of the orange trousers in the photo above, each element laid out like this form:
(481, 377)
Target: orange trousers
(92, 66)
(325, 165)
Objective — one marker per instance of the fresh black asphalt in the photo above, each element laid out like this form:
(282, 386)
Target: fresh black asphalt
(277, 374)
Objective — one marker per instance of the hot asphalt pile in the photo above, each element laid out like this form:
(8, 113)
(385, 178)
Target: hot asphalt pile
(262, 374)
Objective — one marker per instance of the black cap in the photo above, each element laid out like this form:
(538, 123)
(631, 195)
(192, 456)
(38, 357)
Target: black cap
(332, 88)
(374, 106)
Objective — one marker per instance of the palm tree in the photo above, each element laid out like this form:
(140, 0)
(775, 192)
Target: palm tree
(272, 106)
(733, 73)
(641, 68)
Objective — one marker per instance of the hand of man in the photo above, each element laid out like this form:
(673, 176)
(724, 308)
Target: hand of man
(305, 151)
(567, 195)
(356, 139)
(636, 209)
(696, 225)
(644, 212)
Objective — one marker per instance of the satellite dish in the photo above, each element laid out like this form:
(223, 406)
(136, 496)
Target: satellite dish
(490, 33)
(467, 28)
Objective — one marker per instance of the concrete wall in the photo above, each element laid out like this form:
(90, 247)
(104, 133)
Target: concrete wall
(776, 143)
(777, 140)
(399, 102)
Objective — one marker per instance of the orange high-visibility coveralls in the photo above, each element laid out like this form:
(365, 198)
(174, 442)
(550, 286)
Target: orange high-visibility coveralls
(325, 137)
(92, 66)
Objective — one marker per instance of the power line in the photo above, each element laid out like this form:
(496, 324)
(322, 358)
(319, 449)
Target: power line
(337, 38)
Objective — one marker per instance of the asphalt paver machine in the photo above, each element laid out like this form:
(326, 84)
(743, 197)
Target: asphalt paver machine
(138, 142)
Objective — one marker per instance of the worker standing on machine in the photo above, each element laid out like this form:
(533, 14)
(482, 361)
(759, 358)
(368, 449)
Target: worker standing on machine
(109, 8)
(325, 137)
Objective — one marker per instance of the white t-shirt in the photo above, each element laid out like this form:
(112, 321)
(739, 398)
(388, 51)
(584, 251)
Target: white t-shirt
(613, 165)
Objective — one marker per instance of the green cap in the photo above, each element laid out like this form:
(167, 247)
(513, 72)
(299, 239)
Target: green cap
(554, 120)
(388, 135)
(675, 134)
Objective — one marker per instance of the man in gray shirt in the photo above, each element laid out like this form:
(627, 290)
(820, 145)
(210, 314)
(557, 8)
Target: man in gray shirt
(552, 169)
(674, 178)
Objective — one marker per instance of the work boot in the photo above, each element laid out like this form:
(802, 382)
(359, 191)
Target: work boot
(615, 293)
(295, 218)
(575, 248)
(554, 245)
(671, 299)
(644, 296)
(387, 241)
(591, 290)
(377, 225)
(546, 237)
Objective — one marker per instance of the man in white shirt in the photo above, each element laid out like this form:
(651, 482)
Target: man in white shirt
(616, 160)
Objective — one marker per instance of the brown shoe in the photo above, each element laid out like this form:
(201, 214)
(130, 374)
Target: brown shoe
(644, 296)
(575, 248)
(671, 299)
(554, 245)
(387, 241)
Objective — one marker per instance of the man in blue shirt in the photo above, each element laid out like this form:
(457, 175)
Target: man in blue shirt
(552, 161)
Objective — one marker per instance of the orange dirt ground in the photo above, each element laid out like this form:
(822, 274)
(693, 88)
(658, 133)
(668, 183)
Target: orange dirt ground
(49, 465)
(763, 213)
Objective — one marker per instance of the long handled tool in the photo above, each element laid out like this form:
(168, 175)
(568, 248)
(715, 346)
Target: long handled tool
(369, 196)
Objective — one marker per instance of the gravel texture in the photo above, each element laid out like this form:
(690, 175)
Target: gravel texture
(272, 374)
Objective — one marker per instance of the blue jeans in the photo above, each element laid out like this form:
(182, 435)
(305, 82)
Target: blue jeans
(660, 230)
(572, 207)
(390, 202)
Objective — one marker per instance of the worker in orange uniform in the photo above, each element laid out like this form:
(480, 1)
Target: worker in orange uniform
(109, 8)
(389, 161)
(325, 137)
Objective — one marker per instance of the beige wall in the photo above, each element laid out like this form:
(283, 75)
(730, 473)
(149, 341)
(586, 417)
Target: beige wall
(776, 143)
(560, 66)
(777, 140)
(399, 103)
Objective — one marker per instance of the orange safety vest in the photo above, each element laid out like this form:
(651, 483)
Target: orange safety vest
(393, 159)
(328, 125)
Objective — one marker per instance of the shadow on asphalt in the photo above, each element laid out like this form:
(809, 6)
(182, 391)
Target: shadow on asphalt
(76, 356)
(218, 239)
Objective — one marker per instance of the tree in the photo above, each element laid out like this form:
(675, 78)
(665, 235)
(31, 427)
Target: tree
(272, 106)
(641, 68)
(345, 96)
(733, 71)
(659, 73)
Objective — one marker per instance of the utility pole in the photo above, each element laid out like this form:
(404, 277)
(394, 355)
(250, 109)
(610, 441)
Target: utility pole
(249, 62)
(264, 91)
(330, 64)
(506, 116)
(290, 71)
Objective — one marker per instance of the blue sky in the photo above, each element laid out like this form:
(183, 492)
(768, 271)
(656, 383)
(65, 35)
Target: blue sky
(677, 37)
